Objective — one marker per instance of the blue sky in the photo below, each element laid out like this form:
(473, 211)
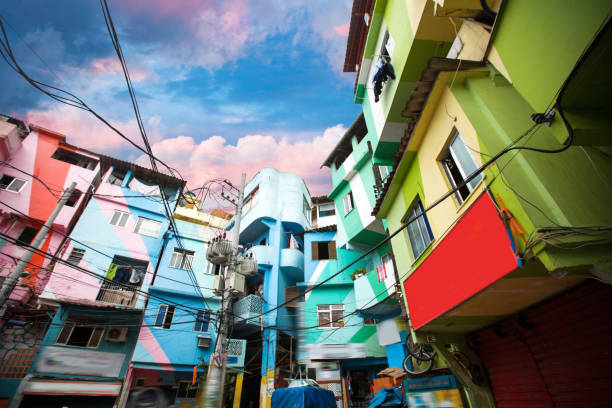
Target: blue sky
(223, 86)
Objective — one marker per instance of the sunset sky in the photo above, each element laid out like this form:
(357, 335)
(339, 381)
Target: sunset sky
(223, 86)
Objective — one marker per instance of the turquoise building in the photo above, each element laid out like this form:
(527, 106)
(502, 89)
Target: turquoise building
(277, 209)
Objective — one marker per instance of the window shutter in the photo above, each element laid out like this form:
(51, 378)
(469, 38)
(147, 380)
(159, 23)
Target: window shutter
(64, 334)
(331, 247)
(315, 251)
(96, 336)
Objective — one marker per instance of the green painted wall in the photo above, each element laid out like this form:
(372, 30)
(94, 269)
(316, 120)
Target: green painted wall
(540, 41)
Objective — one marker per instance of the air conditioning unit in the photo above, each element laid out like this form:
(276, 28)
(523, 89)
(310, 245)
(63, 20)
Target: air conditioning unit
(236, 283)
(203, 341)
(117, 334)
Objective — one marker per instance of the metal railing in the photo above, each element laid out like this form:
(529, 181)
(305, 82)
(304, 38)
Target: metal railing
(118, 294)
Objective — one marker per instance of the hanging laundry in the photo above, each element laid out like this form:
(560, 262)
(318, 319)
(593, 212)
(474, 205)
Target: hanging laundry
(122, 275)
(136, 275)
(385, 71)
(112, 271)
(381, 271)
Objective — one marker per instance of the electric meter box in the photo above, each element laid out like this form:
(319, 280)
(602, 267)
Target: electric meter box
(217, 284)
(236, 283)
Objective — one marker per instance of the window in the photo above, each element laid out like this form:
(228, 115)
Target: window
(80, 335)
(202, 320)
(368, 321)
(323, 250)
(186, 390)
(164, 316)
(326, 210)
(140, 382)
(419, 232)
(250, 201)
(306, 208)
(383, 171)
(116, 177)
(213, 269)
(458, 164)
(182, 259)
(27, 236)
(12, 184)
(146, 226)
(74, 158)
(119, 218)
(387, 261)
(74, 198)
(75, 256)
(347, 202)
(330, 316)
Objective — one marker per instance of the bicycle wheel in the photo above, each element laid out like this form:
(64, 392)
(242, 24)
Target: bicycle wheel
(423, 352)
(415, 366)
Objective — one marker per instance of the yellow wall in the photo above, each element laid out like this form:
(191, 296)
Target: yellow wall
(446, 116)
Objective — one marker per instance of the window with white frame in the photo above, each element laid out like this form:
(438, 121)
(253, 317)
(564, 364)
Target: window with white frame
(330, 316)
(458, 165)
(383, 171)
(146, 226)
(80, 335)
(387, 261)
(75, 256)
(419, 232)
(12, 184)
(165, 313)
(119, 218)
(347, 202)
(202, 320)
(214, 269)
(182, 259)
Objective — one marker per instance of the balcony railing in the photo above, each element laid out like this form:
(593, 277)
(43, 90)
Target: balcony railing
(118, 294)
(248, 307)
(236, 350)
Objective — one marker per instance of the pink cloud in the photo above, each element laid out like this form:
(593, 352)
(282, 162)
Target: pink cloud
(84, 130)
(215, 157)
(342, 30)
(111, 66)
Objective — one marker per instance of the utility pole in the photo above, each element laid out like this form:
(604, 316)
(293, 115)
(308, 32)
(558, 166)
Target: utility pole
(213, 392)
(37, 243)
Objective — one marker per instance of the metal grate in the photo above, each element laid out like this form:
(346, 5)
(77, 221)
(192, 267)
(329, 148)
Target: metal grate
(235, 347)
(247, 305)
(17, 364)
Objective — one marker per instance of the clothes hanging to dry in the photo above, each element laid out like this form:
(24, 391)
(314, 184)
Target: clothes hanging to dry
(384, 71)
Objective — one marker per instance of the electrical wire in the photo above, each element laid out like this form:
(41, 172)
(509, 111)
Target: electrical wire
(80, 269)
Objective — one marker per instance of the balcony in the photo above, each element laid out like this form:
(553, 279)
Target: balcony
(373, 293)
(263, 254)
(292, 262)
(118, 294)
(246, 310)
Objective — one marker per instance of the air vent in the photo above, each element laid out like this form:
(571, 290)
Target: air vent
(203, 341)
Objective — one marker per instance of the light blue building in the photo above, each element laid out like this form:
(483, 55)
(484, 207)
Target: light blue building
(277, 210)
(176, 339)
(100, 290)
